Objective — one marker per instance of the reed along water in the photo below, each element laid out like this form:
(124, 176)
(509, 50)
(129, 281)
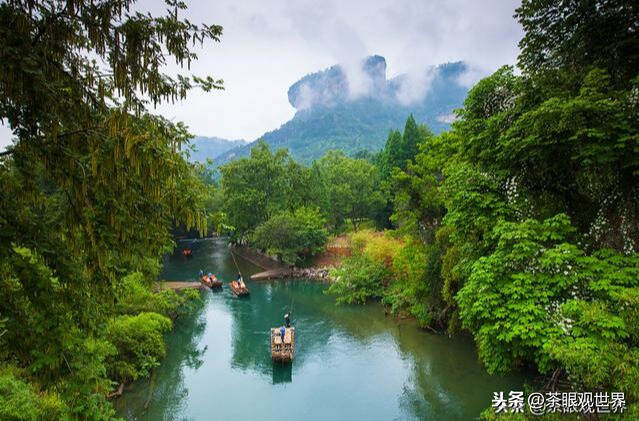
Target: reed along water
(351, 362)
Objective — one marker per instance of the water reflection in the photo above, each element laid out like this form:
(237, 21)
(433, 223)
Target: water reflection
(282, 372)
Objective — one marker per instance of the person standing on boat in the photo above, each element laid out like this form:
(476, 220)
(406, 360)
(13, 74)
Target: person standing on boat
(287, 320)
(282, 333)
(201, 273)
(240, 281)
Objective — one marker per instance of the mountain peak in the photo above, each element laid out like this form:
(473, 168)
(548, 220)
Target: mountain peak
(341, 83)
(335, 85)
(352, 107)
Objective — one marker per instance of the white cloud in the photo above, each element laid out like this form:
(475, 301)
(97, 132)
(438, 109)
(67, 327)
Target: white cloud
(415, 85)
(268, 45)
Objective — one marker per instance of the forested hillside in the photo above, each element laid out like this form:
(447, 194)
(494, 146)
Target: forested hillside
(203, 148)
(329, 118)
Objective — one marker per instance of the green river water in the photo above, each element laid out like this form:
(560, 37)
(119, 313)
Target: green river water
(351, 362)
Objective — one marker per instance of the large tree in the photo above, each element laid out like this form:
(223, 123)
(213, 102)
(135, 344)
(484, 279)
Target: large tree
(351, 186)
(93, 183)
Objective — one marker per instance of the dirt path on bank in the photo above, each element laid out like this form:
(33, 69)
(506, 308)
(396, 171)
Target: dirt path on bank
(176, 285)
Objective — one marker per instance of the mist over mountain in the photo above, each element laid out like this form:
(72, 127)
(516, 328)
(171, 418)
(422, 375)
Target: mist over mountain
(353, 108)
(211, 147)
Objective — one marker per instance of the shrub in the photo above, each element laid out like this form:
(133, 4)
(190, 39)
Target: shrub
(136, 297)
(140, 344)
(292, 235)
(20, 401)
(359, 279)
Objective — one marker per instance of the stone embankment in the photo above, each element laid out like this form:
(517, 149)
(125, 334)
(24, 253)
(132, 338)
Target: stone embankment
(274, 269)
(316, 274)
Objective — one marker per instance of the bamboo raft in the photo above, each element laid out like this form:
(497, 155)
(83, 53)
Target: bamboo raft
(282, 352)
(215, 283)
(238, 290)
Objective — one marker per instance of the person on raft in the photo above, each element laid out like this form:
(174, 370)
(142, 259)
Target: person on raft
(240, 281)
(201, 273)
(282, 333)
(287, 320)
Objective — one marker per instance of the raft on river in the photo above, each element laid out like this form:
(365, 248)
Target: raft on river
(211, 282)
(282, 351)
(238, 289)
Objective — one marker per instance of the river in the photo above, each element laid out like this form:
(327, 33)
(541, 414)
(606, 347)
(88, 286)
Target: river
(351, 362)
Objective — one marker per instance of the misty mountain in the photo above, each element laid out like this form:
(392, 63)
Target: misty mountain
(338, 108)
(212, 147)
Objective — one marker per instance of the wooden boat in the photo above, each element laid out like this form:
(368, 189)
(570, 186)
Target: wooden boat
(215, 283)
(238, 289)
(282, 351)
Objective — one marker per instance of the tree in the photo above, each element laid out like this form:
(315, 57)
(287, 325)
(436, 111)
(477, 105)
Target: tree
(528, 209)
(401, 149)
(93, 185)
(255, 188)
(292, 236)
(574, 35)
(352, 188)
(388, 157)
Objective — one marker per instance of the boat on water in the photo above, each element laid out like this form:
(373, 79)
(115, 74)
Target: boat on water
(239, 289)
(282, 349)
(211, 282)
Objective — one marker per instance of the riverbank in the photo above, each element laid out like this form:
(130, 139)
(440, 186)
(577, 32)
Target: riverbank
(176, 285)
(277, 270)
(261, 260)
(319, 270)
(315, 274)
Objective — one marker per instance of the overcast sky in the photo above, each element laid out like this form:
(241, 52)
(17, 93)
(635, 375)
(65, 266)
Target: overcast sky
(268, 45)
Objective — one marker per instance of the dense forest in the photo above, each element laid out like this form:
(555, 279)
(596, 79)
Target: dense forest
(518, 226)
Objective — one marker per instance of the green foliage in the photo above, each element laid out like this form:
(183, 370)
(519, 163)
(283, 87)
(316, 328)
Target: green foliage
(139, 343)
(571, 36)
(292, 235)
(601, 347)
(521, 222)
(359, 279)
(351, 187)
(510, 299)
(93, 185)
(136, 297)
(400, 149)
(381, 247)
(268, 185)
(263, 185)
(20, 402)
(416, 285)
(253, 188)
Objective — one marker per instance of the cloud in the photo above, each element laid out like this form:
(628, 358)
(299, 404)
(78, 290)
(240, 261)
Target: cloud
(414, 86)
(446, 118)
(267, 45)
